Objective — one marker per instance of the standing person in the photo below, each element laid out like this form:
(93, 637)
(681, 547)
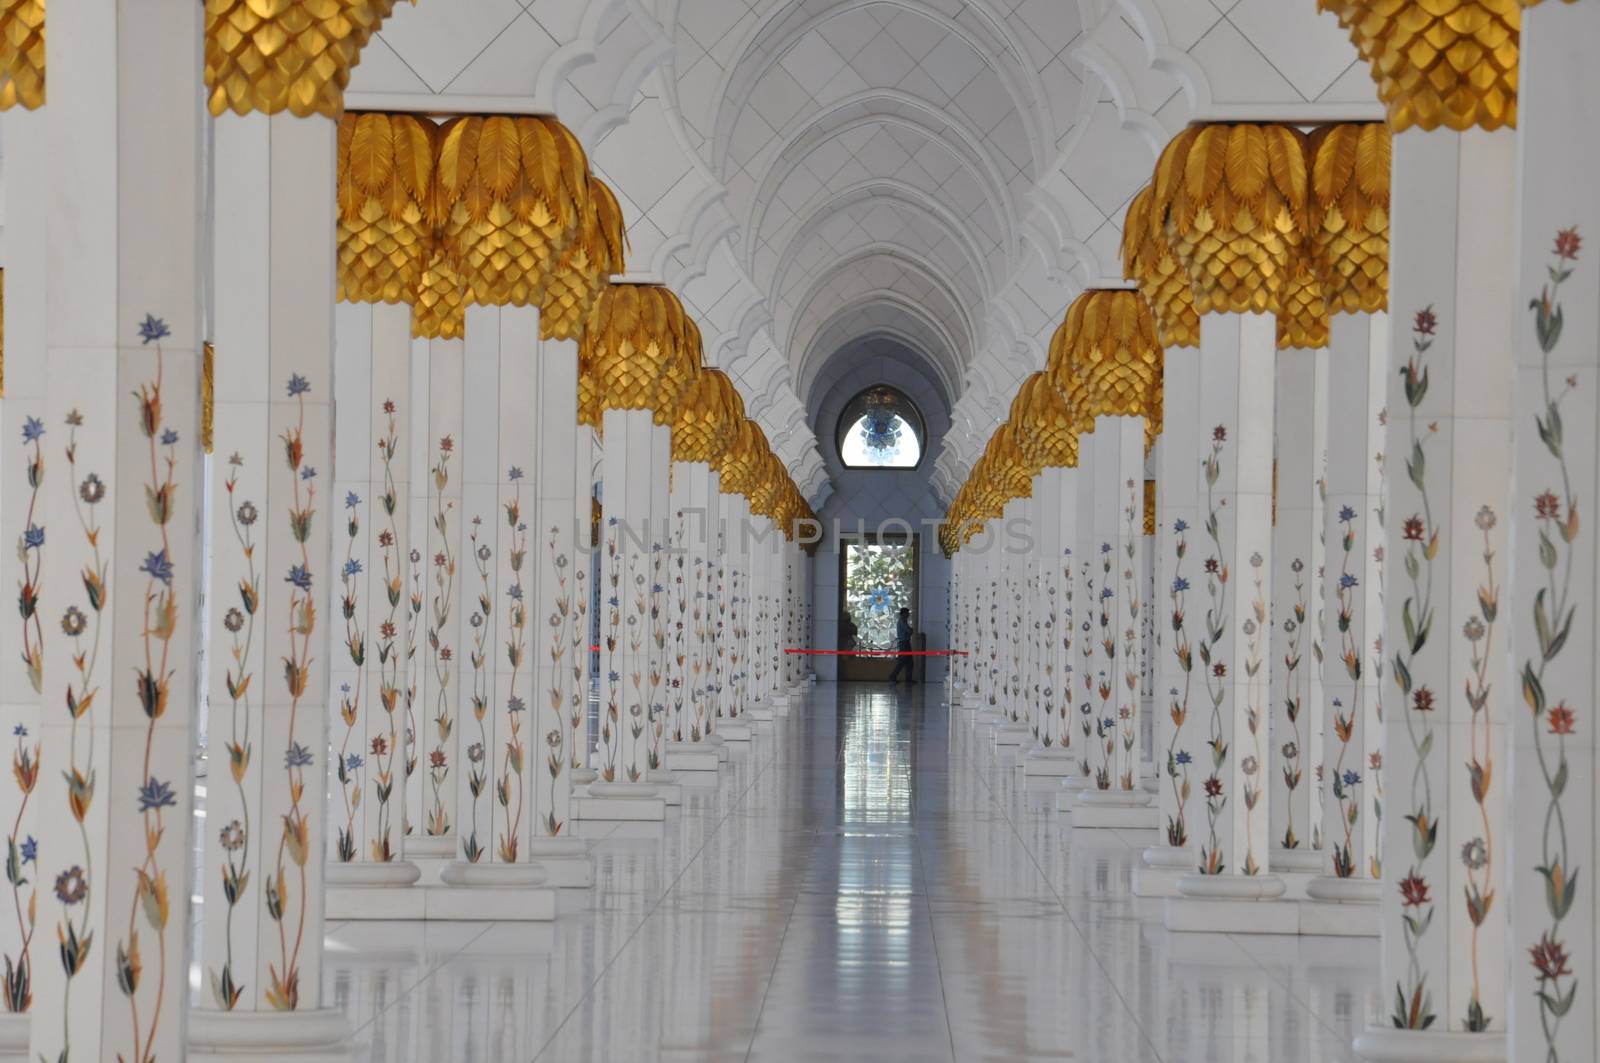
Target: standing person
(902, 638)
(847, 633)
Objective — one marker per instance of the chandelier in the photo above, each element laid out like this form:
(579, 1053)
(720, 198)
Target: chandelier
(880, 423)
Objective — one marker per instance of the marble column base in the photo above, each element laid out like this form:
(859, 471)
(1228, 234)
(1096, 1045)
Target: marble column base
(1011, 733)
(692, 756)
(309, 1034)
(738, 730)
(467, 875)
(566, 861)
(1305, 861)
(1114, 809)
(427, 847)
(1385, 1045)
(1334, 890)
(396, 874)
(584, 776)
(760, 712)
(619, 807)
(667, 787)
(443, 903)
(1231, 904)
(1346, 907)
(14, 1032)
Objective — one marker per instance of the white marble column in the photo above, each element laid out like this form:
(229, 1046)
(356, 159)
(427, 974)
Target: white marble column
(1353, 687)
(1296, 658)
(635, 455)
(1230, 837)
(32, 450)
(1551, 900)
(691, 745)
(1051, 752)
(1177, 685)
(658, 644)
(118, 516)
(372, 407)
(1015, 607)
(560, 594)
(731, 720)
(275, 501)
(1449, 427)
(1093, 679)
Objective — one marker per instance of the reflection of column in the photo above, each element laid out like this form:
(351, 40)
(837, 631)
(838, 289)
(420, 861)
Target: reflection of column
(1353, 688)
(1297, 552)
(119, 508)
(1555, 948)
(29, 443)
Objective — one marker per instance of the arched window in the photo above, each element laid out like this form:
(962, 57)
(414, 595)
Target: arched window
(880, 429)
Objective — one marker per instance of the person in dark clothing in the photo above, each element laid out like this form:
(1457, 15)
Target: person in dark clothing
(847, 633)
(902, 638)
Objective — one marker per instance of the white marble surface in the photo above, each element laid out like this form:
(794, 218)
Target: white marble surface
(866, 883)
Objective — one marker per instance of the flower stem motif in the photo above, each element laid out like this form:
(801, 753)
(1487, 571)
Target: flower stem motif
(152, 679)
(350, 781)
(386, 744)
(1066, 637)
(1413, 1000)
(563, 679)
(1344, 719)
(515, 757)
(1293, 772)
(684, 678)
(1212, 859)
(1178, 708)
(295, 842)
(477, 771)
(1255, 710)
(1131, 660)
(1105, 685)
(440, 608)
(413, 626)
(1086, 648)
(75, 938)
(578, 664)
(1552, 719)
(611, 720)
(226, 988)
(655, 710)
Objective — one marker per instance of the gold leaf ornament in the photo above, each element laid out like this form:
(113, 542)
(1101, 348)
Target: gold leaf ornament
(1349, 214)
(1147, 258)
(1047, 437)
(286, 55)
(639, 350)
(1106, 359)
(708, 418)
(598, 252)
(384, 196)
(1438, 64)
(21, 54)
(1231, 200)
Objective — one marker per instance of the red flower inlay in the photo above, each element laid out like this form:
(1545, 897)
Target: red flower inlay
(1213, 787)
(1567, 243)
(1413, 529)
(1422, 700)
(1561, 719)
(1549, 959)
(1414, 891)
(1425, 322)
(1547, 506)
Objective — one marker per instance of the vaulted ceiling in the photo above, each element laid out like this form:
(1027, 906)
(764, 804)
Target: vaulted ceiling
(809, 174)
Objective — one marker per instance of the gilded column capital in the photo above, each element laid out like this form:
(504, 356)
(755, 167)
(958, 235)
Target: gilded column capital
(1149, 507)
(384, 186)
(1302, 318)
(1147, 259)
(640, 350)
(508, 199)
(285, 55)
(1106, 357)
(21, 54)
(1048, 438)
(598, 252)
(1349, 214)
(741, 463)
(439, 304)
(1439, 64)
(1231, 200)
(708, 418)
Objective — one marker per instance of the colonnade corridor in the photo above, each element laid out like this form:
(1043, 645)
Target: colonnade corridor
(868, 883)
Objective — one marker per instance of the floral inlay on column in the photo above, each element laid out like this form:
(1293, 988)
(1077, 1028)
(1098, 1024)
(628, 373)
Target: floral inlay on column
(412, 751)
(386, 744)
(655, 705)
(84, 628)
(1179, 759)
(443, 656)
(240, 623)
(1105, 728)
(477, 751)
(1086, 648)
(1413, 1000)
(681, 683)
(23, 850)
(295, 844)
(1346, 778)
(1554, 720)
(1067, 637)
(611, 718)
(151, 681)
(1212, 860)
(1298, 741)
(1255, 633)
(561, 623)
(1132, 661)
(509, 789)
(347, 769)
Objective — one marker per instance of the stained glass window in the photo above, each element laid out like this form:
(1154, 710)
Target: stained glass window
(880, 578)
(880, 429)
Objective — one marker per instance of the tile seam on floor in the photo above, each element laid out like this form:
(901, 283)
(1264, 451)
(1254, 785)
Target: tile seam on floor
(739, 798)
(938, 964)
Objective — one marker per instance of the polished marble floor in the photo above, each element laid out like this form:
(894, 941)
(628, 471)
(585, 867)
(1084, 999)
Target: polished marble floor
(866, 882)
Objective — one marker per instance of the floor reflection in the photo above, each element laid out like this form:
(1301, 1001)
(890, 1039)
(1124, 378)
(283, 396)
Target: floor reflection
(867, 882)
